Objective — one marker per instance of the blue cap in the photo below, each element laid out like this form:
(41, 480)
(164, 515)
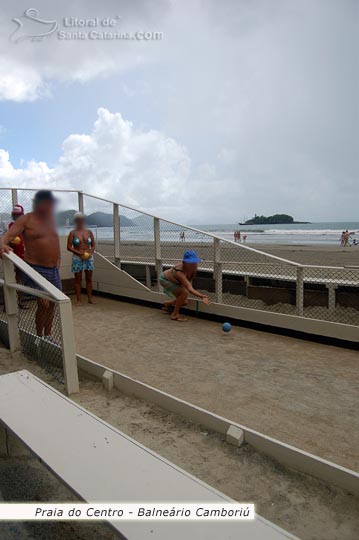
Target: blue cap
(191, 257)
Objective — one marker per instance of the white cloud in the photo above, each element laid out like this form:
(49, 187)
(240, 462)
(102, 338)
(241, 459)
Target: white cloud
(34, 174)
(148, 170)
(26, 65)
(116, 161)
(19, 82)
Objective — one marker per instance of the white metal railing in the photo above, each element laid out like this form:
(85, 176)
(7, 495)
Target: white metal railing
(17, 325)
(221, 256)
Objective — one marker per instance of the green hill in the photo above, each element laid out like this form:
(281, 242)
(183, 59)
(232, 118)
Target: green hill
(96, 219)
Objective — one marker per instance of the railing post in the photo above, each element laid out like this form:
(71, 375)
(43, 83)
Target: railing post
(331, 288)
(68, 348)
(158, 256)
(217, 269)
(299, 301)
(80, 197)
(10, 296)
(116, 233)
(14, 196)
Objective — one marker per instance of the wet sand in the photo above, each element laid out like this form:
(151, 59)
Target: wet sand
(322, 255)
(302, 393)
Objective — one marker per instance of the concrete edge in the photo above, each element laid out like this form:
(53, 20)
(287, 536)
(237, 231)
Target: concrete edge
(286, 454)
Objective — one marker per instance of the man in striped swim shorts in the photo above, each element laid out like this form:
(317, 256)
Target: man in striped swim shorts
(42, 252)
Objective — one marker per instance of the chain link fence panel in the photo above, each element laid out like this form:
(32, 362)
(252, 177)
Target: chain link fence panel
(230, 273)
(40, 333)
(99, 219)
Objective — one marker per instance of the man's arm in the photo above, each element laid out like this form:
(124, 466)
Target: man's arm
(187, 284)
(17, 228)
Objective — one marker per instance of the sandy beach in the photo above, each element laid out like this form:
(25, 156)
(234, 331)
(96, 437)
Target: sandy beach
(322, 255)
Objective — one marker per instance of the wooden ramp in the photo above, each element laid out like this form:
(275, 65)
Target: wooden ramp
(101, 464)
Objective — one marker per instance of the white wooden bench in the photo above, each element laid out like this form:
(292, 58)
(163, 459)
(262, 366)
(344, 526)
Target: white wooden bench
(101, 464)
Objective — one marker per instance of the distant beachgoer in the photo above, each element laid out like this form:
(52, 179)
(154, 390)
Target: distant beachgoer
(177, 284)
(42, 252)
(346, 238)
(182, 236)
(81, 243)
(244, 238)
(342, 239)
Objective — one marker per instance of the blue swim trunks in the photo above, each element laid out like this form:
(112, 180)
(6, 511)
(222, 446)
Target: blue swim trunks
(80, 265)
(168, 286)
(51, 274)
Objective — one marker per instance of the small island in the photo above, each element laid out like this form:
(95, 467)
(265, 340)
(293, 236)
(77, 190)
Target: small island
(276, 219)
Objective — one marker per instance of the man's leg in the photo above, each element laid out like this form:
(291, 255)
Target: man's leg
(18, 277)
(41, 315)
(181, 295)
(88, 277)
(168, 305)
(78, 279)
(49, 318)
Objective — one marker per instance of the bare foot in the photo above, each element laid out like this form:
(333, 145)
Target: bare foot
(178, 318)
(90, 301)
(79, 303)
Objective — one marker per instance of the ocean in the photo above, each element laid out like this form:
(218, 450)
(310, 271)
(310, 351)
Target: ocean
(306, 234)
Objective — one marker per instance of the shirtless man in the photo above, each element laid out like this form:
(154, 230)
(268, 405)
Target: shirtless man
(42, 252)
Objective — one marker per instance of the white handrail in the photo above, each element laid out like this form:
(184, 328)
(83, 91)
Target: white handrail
(50, 289)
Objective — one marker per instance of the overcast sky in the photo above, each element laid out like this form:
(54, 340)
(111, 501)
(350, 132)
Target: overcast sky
(243, 106)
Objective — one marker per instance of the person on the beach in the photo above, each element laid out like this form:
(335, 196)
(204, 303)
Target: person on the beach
(42, 252)
(177, 284)
(244, 238)
(18, 247)
(81, 243)
(342, 239)
(346, 238)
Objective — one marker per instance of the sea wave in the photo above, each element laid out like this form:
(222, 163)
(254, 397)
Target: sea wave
(303, 232)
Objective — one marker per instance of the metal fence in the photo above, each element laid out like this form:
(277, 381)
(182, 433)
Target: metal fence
(36, 319)
(232, 274)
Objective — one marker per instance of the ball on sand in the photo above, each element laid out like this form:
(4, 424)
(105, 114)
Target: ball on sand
(86, 256)
(226, 327)
(16, 240)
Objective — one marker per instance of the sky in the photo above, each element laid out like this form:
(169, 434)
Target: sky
(211, 112)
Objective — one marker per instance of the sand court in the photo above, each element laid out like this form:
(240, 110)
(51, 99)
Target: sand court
(303, 393)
